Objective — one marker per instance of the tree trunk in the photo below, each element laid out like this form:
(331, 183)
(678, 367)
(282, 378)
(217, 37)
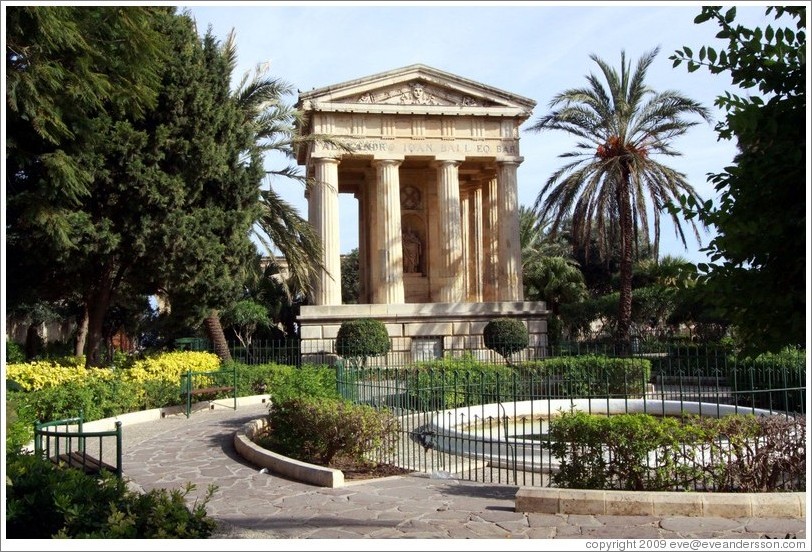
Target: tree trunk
(624, 317)
(33, 340)
(81, 332)
(215, 332)
(98, 302)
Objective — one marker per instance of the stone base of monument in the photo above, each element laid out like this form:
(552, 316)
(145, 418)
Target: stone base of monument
(424, 331)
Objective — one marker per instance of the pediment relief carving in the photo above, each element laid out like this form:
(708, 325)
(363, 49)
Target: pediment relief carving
(417, 93)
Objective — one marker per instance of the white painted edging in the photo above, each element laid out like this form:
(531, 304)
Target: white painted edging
(283, 465)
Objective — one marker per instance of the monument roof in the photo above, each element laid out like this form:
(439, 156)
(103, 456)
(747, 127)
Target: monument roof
(416, 89)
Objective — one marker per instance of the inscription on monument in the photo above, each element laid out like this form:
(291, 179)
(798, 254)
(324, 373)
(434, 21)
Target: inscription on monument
(432, 147)
(427, 348)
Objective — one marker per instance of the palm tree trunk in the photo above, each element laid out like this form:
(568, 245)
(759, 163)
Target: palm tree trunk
(216, 335)
(624, 317)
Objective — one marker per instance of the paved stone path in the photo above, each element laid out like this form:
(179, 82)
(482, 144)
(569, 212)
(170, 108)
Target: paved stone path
(249, 504)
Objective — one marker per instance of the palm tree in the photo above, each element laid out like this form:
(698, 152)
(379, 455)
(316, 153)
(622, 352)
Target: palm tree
(274, 125)
(607, 186)
(546, 263)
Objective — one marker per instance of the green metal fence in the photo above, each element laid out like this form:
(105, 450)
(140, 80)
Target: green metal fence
(486, 421)
(470, 414)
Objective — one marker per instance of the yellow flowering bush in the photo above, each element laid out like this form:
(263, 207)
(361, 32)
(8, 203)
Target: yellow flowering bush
(169, 366)
(40, 374)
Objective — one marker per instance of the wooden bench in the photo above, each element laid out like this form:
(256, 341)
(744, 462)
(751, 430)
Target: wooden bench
(208, 383)
(65, 442)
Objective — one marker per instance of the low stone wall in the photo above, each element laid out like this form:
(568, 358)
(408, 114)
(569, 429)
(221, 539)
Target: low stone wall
(656, 503)
(279, 464)
(423, 331)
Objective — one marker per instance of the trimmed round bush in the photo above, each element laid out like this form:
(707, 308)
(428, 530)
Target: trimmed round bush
(505, 336)
(362, 338)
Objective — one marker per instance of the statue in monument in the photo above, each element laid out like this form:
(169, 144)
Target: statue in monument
(412, 249)
(417, 95)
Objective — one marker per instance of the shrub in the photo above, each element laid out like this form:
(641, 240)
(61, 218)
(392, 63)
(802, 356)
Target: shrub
(37, 375)
(362, 338)
(288, 382)
(43, 501)
(40, 374)
(754, 454)
(641, 452)
(592, 375)
(505, 336)
(318, 429)
(95, 397)
(14, 352)
(169, 366)
(689, 360)
(773, 381)
(458, 381)
(19, 427)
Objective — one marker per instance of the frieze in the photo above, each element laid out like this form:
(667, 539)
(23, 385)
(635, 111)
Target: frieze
(417, 93)
(426, 147)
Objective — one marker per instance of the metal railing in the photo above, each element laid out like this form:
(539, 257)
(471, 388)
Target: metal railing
(490, 422)
(66, 442)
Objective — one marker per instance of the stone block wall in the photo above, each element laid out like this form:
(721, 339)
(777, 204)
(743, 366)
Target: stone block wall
(423, 331)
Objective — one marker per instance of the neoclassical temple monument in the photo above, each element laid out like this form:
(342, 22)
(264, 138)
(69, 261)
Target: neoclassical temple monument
(432, 162)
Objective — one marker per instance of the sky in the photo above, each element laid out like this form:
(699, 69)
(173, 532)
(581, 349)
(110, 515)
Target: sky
(533, 49)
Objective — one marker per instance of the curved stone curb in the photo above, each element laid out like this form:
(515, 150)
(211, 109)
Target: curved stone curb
(282, 465)
(689, 504)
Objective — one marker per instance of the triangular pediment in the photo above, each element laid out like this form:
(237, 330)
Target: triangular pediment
(418, 86)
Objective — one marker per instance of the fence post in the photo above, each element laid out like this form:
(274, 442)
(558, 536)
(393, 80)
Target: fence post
(119, 469)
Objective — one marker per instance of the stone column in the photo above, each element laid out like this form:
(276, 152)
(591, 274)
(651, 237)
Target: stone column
(510, 253)
(476, 243)
(363, 276)
(388, 256)
(450, 234)
(490, 223)
(323, 215)
(465, 238)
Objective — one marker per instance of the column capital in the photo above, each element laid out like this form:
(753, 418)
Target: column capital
(511, 161)
(439, 163)
(386, 162)
(326, 160)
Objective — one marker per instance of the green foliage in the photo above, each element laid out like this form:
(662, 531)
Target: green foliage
(170, 193)
(289, 382)
(555, 280)
(245, 317)
(14, 352)
(690, 360)
(773, 381)
(318, 429)
(350, 280)
(756, 274)
(614, 452)
(96, 398)
(44, 501)
(586, 376)
(645, 453)
(578, 317)
(620, 129)
(458, 381)
(505, 336)
(362, 338)
(19, 428)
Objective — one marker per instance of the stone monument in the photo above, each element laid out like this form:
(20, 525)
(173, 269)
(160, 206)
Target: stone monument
(431, 158)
